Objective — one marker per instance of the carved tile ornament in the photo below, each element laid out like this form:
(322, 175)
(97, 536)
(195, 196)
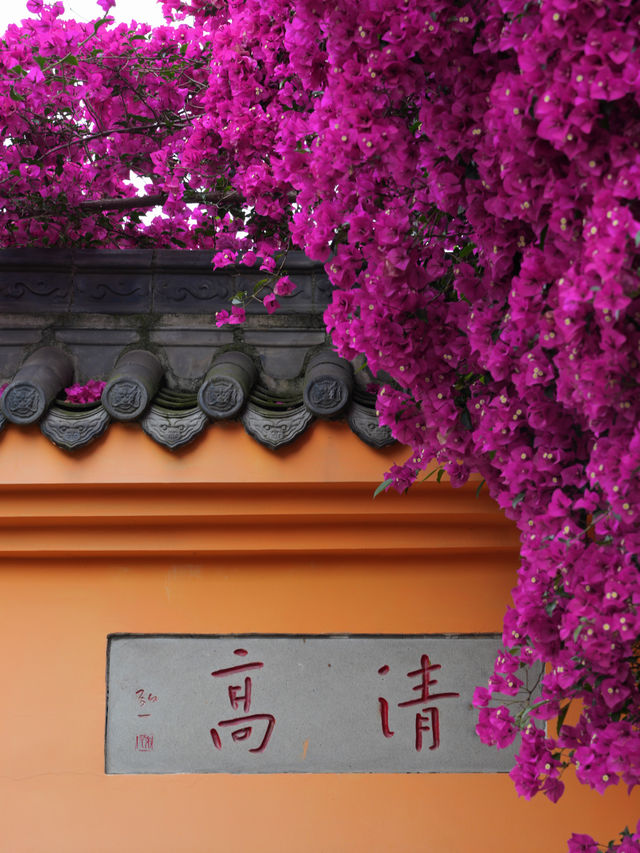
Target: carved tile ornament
(173, 429)
(125, 399)
(18, 289)
(182, 290)
(327, 395)
(221, 397)
(28, 291)
(23, 403)
(104, 289)
(70, 430)
(276, 430)
(227, 385)
(329, 380)
(132, 385)
(364, 423)
(42, 375)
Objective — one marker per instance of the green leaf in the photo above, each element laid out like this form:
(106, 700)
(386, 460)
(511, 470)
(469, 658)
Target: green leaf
(543, 236)
(482, 482)
(471, 172)
(562, 715)
(98, 24)
(637, 239)
(518, 499)
(14, 95)
(535, 705)
(441, 473)
(431, 473)
(383, 487)
(70, 60)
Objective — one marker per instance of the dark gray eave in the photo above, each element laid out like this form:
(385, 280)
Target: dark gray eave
(93, 307)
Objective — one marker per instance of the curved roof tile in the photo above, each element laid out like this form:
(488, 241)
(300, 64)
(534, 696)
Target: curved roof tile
(145, 322)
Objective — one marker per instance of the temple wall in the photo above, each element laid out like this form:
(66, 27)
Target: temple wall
(229, 537)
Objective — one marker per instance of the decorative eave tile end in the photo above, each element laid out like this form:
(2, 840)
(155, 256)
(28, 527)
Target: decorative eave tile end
(232, 389)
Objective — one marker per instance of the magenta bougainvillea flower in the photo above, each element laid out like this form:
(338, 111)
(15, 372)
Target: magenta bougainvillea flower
(90, 392)
(284, 286)
(235, 317)
(271, 303)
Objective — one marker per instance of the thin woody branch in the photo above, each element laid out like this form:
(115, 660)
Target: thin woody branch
(80, 140)
(147, 201)
(144, 202)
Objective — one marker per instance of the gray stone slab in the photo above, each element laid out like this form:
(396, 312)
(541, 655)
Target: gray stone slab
(282, 353)
(189, 352)
(291, 704)
(192, 291)
(323, 290)
(112, 291)
(34, 290)
(80, 336)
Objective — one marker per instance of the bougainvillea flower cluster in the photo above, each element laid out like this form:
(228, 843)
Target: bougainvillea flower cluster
(90, 392)
(470, 175)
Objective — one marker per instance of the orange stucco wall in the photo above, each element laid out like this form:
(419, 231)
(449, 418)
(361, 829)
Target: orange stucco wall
(230, 538)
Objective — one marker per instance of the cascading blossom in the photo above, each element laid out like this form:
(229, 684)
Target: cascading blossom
(470, 175)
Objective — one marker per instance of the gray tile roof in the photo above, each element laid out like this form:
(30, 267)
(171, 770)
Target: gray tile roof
(144, 321)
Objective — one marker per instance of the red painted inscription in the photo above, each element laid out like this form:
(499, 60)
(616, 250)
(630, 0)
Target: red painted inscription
(240, 696)
(428, 718)
(145, 698)
(144, 743)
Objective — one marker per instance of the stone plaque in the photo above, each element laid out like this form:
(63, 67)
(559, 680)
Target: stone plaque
(297, 704)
